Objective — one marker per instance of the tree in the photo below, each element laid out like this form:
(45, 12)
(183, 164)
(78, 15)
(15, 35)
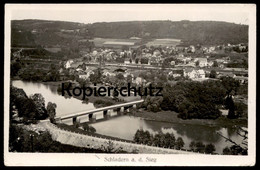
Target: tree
(152, 103)
(136, 60)
(120, 77)
(15, 67)
(192, 146)
(169, 140)
(231, 108)
(200, 147)
(179, 143)
(227, 151)
(51, 110)
(97, 76)
(40, 106)
(125, 48)
(129, 79)
(85, 127)
(215, 64)
(27, 110)
(230, 84)
(197, 63)
(144, 60)
(213, 74)
(210, 148)
(92, 129)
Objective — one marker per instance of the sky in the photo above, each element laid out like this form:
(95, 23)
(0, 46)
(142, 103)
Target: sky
(90, 13)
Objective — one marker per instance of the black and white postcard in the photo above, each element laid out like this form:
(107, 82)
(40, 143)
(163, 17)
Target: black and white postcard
(130, 85)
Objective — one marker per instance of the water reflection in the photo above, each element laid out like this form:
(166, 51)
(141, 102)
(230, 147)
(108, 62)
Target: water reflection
(64, 105)
(126, 126)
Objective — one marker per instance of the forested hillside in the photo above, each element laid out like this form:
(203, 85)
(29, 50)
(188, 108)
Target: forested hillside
(53, 33)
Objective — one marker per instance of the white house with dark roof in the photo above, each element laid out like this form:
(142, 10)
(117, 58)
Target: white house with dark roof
(203, 62)
(193, 74)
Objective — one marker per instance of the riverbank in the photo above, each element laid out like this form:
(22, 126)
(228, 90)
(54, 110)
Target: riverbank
(171, 117)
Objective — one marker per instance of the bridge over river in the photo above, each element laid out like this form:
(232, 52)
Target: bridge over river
(106, 111)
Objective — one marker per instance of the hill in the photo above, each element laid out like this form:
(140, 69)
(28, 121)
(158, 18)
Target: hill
(59, 33)
(203, 32)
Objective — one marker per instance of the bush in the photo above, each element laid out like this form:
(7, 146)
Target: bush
(103, 103)
(162, 140)
(210, 148)
(152, 103)
(200, 147)
(234, 150)
(88, 128)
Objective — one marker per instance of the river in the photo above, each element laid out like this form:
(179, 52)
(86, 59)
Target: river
(125, 126)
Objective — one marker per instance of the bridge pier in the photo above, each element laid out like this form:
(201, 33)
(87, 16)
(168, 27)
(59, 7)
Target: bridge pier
(122, 109)
(92, 117)
(75, 119)
(106, 114)
(134, 106)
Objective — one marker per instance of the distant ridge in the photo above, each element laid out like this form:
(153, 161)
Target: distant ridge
(190, 32)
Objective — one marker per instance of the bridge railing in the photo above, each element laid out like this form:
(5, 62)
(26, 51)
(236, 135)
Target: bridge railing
(81, 113)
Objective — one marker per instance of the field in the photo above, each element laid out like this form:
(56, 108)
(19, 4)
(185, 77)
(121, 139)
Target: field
(99, 42)
(164, 42)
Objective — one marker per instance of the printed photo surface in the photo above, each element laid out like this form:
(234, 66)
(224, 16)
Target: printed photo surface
(130, 85)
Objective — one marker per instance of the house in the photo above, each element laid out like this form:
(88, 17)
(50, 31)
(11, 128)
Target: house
(201, 74)
(203, 62)
(68, 64)
(34, 31)
(193, 74)
(211, 49)
(181, 58)
(227, 74)
(210, 64)
(128, 61)
(128, 74)
(174, 75)
(191, 64)
(155, 60)
(191, 49)
(241, 79)
(134, 38)
(107, 73)
(86, 75)
(220, 60)
(83, 76)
